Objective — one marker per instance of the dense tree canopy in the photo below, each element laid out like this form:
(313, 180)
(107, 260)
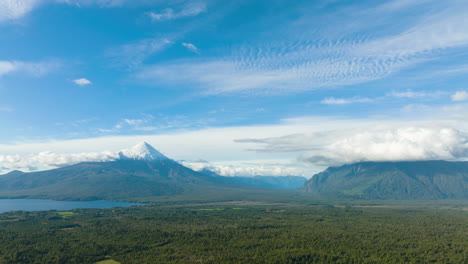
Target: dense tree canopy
(255, 234)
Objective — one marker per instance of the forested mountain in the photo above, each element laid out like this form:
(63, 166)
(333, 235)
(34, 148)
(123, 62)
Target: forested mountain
(139, 172)
(411, 180)
(142, 171)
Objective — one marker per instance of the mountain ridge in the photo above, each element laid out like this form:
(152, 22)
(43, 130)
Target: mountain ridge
(141, 171)
(400, 180)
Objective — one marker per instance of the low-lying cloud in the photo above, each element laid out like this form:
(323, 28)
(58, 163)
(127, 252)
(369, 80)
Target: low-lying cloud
(48, 160)
(390, 144)
(393, 145)
(248, 169)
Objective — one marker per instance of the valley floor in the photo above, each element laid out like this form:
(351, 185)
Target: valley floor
(239, 232)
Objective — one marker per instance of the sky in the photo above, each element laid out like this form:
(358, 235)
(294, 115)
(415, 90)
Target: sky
(240, 87)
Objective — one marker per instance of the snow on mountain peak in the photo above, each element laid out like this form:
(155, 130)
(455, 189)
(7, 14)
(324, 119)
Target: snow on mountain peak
(141, 151)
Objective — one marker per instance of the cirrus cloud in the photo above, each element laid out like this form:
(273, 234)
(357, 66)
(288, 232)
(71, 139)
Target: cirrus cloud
(32, 68)
(192, 9)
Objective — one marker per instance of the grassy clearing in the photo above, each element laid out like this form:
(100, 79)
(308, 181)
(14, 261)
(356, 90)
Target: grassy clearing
(66, 215)
(218, 209)
(109, 261)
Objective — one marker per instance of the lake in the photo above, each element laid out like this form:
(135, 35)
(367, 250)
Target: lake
(7, 205)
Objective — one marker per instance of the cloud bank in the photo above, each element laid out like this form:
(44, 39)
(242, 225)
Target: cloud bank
(248, 168)
(393, 145)
(49, 160)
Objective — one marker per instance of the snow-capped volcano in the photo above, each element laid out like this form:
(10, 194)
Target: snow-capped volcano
(141, 151)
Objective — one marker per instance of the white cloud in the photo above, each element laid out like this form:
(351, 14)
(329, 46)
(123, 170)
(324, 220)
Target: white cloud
(33, 68)
(14, 9)
(410, 143)
(140, 124)
(134, 122)
(402, 94)
(251, 168)
(100, 3)
(283, 74)
(433, 133)
(446, 30)
(82, 81)
(340, 101)
(190, 47)
(413, 94)
(6, 67)
(460, 96)
(48, 160)
(191, 9)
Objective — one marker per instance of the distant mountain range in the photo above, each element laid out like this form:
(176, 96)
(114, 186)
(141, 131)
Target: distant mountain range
(274, 182)
(412, 180)
(140, 171)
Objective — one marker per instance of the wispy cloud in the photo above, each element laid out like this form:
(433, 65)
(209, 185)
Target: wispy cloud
(341, 101)
(408, 94)
(460, 96)
(15, 9)
(413, 94)
(189, 10)
(309, 63)
(288, 143)
(149, 123)
(100, 3)
(6, 109)
(32, 68)
(133, 124)
(133, 54)
(190, 47)
(82, 82)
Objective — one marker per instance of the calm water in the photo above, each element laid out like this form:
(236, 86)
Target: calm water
(7, 205)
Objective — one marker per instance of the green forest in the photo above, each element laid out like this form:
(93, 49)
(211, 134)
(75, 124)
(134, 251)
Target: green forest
(164, 233)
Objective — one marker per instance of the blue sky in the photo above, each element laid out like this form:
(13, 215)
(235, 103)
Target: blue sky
(252, 87)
